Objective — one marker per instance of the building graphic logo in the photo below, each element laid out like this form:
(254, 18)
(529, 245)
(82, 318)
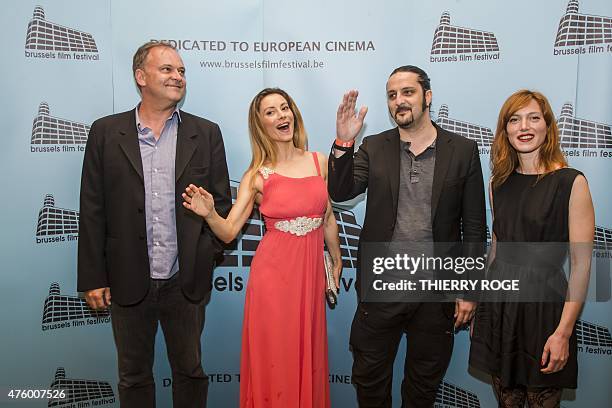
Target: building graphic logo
(480, 134)
(451, 396)
(80, 393)
(583, 137)
(603, 239)
(62, 311)
(349, 232)
(241, 253)
(582, 33)
(453, 43)
(600, 288)
(51, 134)
(593, 339)
(56, 224)
(45, 39)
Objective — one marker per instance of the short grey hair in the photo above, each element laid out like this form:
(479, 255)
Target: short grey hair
(143, 51)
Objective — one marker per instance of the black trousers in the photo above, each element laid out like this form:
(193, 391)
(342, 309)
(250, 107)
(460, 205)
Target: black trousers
(134, 329)
(375, 336)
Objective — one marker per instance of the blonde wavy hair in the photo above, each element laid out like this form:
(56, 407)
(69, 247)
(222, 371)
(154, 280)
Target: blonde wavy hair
(504, 159)
(262, 146)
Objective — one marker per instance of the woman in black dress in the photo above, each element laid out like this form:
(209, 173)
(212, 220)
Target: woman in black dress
(528, 343)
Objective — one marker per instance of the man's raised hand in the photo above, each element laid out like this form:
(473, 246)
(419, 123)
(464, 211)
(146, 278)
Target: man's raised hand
(348, 122)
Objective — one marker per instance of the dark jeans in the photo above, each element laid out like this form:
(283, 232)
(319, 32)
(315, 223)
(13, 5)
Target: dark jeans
(134, 329)
(375, 336)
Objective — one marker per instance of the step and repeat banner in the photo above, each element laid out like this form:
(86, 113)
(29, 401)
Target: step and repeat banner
(69, 62)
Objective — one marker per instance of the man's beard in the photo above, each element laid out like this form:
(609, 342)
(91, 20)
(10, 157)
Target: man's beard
(407, 121)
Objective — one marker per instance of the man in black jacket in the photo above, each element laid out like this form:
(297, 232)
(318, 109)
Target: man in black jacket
(424, 185)
(137, 244)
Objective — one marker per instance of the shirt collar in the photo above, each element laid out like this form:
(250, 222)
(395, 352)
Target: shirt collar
(431, 146)
(142, 130)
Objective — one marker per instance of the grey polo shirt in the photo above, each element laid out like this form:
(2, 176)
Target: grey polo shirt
(414, 196)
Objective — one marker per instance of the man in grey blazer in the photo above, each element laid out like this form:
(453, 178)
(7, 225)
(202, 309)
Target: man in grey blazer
(138, 247)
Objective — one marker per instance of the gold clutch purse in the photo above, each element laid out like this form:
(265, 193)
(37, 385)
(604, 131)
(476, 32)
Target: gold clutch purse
(331, 291)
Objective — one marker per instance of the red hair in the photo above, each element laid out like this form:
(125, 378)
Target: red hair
(504, 159)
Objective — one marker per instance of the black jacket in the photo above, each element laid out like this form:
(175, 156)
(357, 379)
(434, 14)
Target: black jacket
(457, 202)
(112, 247)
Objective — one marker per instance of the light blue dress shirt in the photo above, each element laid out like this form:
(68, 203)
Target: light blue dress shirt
(158, 163)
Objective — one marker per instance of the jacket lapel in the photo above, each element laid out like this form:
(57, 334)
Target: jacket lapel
(129, 141)
(185, 145)
(392, 158)
(444, 153)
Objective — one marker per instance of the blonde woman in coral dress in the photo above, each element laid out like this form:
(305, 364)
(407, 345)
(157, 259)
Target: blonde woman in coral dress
(284, 337)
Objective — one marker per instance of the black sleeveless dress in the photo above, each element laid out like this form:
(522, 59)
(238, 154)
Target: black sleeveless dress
(509, 335)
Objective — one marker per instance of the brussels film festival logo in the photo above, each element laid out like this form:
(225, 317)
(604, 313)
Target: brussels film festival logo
(62, 311)
(451, 396)
(47, 40)
(53, 135)
(480, 134)
(453, 43)
(603, 240)
(79, 393)
(593, 339)
(582, 33)
(56, 224)
(583, 137)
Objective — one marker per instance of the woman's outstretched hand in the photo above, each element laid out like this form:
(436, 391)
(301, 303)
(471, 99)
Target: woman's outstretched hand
(199, 201)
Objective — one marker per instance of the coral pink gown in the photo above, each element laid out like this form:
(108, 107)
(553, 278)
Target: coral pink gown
(284, 335)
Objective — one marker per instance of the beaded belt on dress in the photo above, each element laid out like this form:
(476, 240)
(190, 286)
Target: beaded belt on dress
(299, 226)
